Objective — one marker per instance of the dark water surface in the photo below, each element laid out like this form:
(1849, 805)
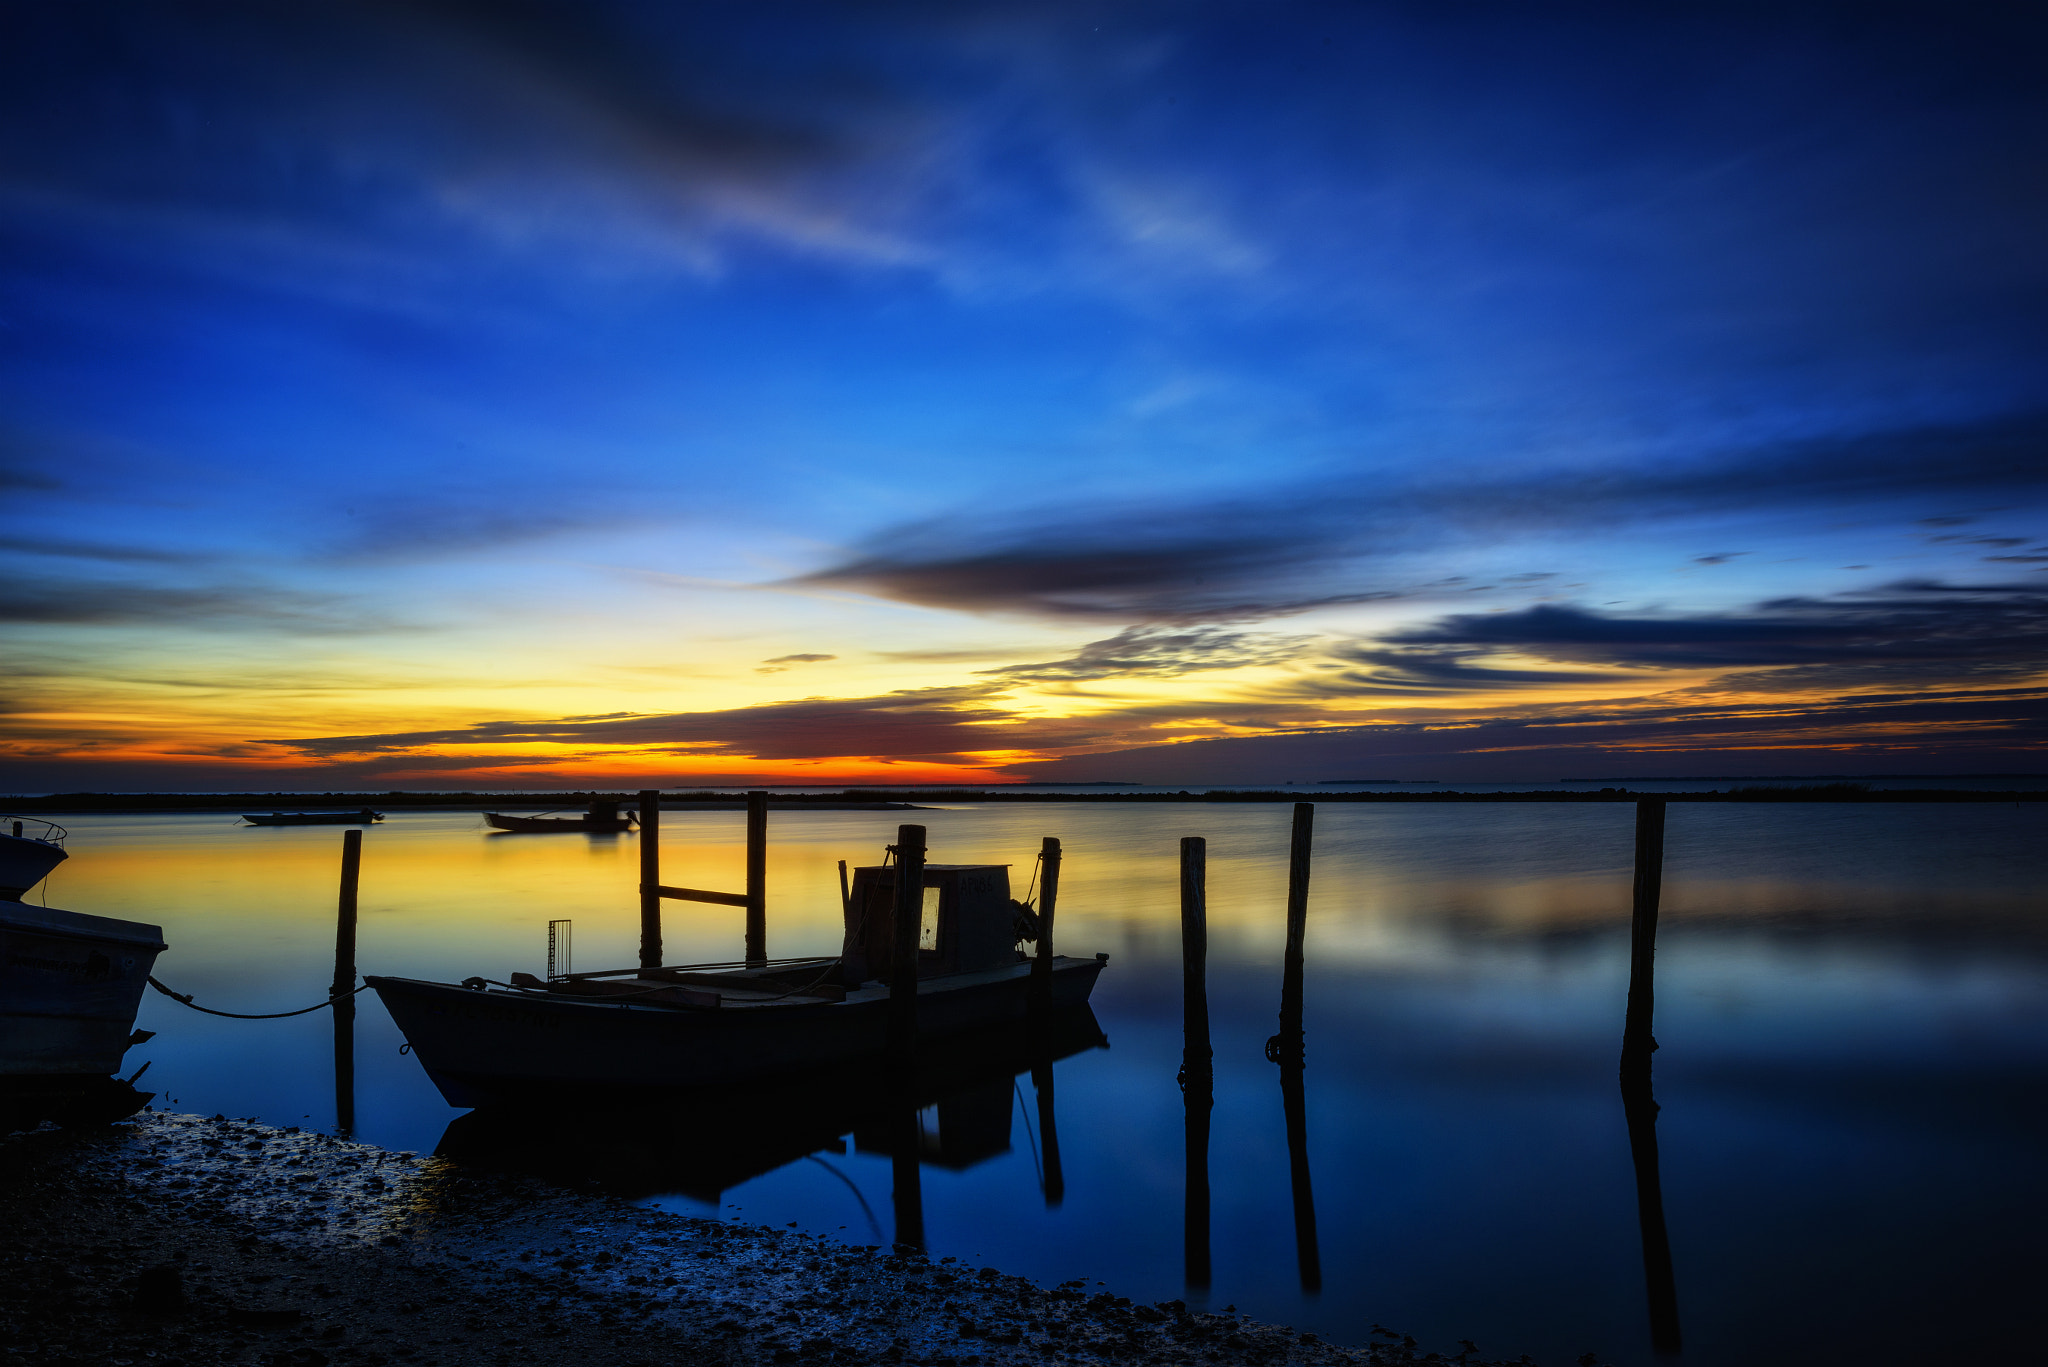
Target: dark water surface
(1852, 1004)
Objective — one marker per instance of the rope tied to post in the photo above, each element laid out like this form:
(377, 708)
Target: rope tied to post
(185, 1000)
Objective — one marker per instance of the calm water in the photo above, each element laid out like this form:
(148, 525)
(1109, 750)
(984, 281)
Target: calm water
(1852, 1003)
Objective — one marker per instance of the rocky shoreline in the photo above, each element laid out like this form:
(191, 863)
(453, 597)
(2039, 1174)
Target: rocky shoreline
(178, 1241)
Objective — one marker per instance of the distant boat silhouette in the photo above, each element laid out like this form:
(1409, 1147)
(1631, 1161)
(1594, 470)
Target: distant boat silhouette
(359, 818)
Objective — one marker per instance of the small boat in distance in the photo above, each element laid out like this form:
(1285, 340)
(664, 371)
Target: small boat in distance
(362, 818)
(627, 1030)
(69, 987)
(602, 819)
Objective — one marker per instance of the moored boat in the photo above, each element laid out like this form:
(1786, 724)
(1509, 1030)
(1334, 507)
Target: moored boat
(364, 817)
(602, 819)
(484, 1042)
(69, 988)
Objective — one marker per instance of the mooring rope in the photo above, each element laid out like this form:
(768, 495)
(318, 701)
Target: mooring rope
(184, 1000)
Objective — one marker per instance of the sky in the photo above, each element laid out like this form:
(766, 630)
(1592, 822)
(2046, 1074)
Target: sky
(520, 394)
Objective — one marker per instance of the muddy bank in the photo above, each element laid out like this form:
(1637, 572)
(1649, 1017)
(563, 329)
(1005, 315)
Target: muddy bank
(177, 1241)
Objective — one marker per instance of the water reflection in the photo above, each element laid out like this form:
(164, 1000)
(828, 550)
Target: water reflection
(953, 1112)
(1850, 1000)
(1659, 1284)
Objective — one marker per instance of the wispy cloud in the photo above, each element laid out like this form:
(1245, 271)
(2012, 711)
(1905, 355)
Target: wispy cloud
(1161, 653)
(1342, 542)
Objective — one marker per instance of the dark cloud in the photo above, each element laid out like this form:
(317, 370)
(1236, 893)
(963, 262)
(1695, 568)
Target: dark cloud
(1909, 625)
(914, 724)
(1396, 670)
(93, 550)
(1934, 732)
(25, 600)
(798, 659)
(1154, 652)
(1328, 544)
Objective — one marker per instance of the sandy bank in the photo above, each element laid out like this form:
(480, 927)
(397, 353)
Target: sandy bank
(171, 1240)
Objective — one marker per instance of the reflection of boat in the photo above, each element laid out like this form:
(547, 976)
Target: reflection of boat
(361, 818)
(602, 819)
(705, 1140)
(69, 986)
(702, 1025)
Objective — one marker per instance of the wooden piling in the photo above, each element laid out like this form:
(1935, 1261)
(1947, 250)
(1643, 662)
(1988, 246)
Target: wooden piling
(757, 878)
(1194, 953)
(344, 1007)
(845, 898)
(1197, 1076)
(1637, 1041)
(1288, 1044)
(906, 917)
(1048, 902)
(650, 878)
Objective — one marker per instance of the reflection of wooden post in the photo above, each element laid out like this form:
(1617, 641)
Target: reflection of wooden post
(1660, 1286)
(757, 878)
(345, 981)
(1048, 1131)
(650, 878)
(907, 917)
(1198, 1095)
(1288, 1043)
(1637, 1043)
(908, 1185)
(1293, 1101)
(1048, 902)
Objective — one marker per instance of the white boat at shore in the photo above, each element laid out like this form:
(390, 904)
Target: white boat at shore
(69, 988)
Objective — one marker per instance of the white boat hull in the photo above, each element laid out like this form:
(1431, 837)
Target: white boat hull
(69, 987)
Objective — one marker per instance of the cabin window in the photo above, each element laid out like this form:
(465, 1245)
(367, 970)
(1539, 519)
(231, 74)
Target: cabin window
(928, 923)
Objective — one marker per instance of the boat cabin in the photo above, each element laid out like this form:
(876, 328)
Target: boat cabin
(968, 924)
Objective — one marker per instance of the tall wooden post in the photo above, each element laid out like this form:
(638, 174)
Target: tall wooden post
(1197, 1076)
(1048, 903)
(650, 878)
(757, 878)
(1288, 1043)
(344, 982)
(1194, 952)
(1637, 1042)
(906, 918)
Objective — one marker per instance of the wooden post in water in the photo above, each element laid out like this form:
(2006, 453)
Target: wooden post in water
(1288, 1044)
(1637, 1042)
(650, 878)
(1194, 953)
(845, 897)
(907, 917)
(757, 878)
(1048, 903)
(344, 1007)
(1197, 1075)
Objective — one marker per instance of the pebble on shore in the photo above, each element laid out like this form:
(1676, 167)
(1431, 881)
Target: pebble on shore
(179, 1241)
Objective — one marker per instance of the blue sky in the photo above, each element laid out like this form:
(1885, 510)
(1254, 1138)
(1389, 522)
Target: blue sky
(417, 394)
